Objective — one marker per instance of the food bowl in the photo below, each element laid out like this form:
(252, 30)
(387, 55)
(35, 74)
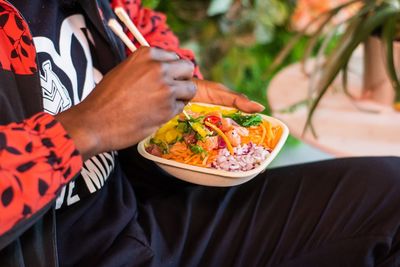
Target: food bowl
(210, 176)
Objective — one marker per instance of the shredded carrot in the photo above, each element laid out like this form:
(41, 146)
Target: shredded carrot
(278, 134)
(204, 163)
(190, 158)
(270, 134)
(264, 132)
(220, 133)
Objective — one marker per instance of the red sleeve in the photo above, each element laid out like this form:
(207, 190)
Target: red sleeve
(153, 26)
(36, 159)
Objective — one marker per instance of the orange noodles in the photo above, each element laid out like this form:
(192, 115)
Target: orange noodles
(188, 157)
(198, 138)
(264, 134)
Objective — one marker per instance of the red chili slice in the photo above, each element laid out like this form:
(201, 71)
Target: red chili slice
(213, 120)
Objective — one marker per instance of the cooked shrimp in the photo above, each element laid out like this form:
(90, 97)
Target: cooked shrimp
(226, 124)
(233, 137)
(241, 130)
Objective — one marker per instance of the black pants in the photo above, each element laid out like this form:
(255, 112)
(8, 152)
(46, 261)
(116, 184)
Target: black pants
(343, 212)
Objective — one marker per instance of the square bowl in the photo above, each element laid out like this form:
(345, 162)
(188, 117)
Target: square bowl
(214, 177)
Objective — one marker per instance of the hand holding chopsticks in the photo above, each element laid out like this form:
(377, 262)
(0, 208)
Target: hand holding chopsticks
(117, 29)
(222, 94)
(129, 105)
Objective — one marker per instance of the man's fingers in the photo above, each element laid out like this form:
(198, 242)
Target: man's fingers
(247, 105)
(184, 90)
(179, 70)
(218, 94)
(172, 66)
(162, 55)
(179, 105)
(240, 102)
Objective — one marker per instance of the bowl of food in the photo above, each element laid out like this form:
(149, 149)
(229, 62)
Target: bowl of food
(215, 145)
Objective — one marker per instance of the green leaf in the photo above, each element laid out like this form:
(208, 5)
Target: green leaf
(246, 120)
(151, 3)
(325, 17)
(312, 43)
(263, 34)
(183, 127)
(389, 32)
(345, 80)
(284, 53)
(197, 149)
(356, 33)
(219, 7)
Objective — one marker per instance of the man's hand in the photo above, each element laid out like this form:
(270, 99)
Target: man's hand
(216, 93)
(132, 101)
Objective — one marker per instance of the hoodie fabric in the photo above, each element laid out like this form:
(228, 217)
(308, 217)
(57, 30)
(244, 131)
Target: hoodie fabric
(50, 60)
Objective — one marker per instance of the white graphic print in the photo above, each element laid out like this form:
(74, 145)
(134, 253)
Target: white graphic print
(56, 99)
(72, 26)
(55, 95)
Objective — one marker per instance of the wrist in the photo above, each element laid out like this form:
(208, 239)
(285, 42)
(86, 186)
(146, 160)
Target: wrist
(78, 127)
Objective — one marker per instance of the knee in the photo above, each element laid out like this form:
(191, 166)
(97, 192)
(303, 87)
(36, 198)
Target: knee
(377, 173)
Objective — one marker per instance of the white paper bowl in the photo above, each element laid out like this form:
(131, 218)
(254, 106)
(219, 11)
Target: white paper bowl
(209, 176)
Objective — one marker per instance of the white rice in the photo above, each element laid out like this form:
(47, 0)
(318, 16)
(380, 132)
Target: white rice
(245, 158)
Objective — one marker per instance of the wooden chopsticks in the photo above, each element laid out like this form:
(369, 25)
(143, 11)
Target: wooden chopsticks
(117, 29)
(123, 16)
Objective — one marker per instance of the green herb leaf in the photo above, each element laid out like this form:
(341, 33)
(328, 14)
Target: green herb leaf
(197, 149)
(199, 137)
(246, 120)
(198, 119)
(184, 127)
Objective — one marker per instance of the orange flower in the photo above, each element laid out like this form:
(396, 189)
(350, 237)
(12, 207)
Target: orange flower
(308, 10)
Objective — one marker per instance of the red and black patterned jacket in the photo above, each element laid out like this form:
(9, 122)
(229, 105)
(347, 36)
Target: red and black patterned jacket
(37, 157)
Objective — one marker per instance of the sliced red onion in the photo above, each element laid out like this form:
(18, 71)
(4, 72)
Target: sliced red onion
(221, 142)
(245, 158)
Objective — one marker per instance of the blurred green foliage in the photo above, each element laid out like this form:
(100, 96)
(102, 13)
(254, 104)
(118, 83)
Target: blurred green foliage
(235, 40)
